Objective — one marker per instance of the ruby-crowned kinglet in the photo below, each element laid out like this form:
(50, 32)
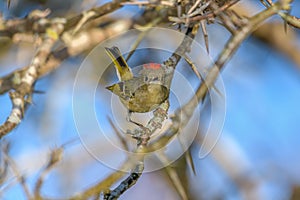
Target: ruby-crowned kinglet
(144, 91)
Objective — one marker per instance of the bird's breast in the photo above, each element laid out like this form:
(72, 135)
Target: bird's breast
(146, 98)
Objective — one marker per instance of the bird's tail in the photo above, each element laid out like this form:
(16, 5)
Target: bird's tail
(123, 71)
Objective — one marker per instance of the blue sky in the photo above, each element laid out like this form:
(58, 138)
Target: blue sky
(262, 118)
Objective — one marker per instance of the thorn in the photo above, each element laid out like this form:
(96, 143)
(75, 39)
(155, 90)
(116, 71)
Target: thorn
(194, 68)
(38, 92)
(285, 25)
(189, 160)
(8, 4)
(205, 35)
(188, 156)
(70, 142)
(217, 91)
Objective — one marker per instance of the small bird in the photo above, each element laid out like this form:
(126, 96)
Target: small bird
(144, 91)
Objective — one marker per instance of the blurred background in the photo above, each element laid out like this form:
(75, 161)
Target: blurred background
(256, 156)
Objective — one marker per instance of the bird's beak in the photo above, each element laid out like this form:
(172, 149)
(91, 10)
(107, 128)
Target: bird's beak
(111, 88)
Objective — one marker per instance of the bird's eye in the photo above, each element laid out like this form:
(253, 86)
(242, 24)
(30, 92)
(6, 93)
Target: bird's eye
(122, 86)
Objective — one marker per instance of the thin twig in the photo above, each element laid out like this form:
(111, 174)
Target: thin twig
(50, 60)
(21, 178)
(55, 157)
(30, 75)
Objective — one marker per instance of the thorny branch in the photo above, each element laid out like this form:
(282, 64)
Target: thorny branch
(26, 82)
(183, 114)
(71, 31)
